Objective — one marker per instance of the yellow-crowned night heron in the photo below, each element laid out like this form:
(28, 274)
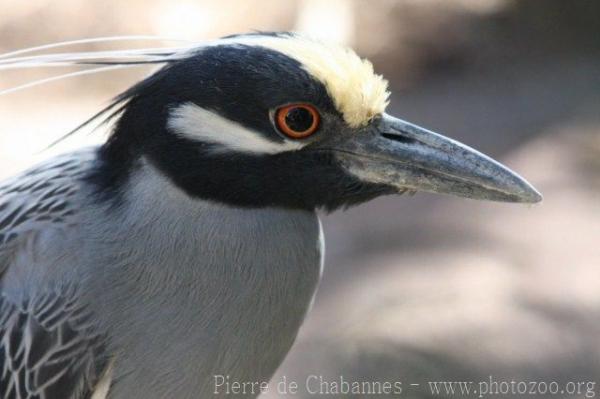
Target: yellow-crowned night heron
(187, 246)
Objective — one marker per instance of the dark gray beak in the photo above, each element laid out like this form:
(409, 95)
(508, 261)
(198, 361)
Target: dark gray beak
(397, 153)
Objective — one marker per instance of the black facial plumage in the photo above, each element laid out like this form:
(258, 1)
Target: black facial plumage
(243, 84)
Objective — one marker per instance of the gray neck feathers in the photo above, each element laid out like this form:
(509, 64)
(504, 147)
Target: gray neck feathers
(224, 280)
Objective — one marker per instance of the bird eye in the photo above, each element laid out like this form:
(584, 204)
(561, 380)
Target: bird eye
(297, 121)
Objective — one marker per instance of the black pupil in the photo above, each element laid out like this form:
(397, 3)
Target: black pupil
(299, 119)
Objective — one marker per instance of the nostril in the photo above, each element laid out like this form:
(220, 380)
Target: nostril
(399, 138)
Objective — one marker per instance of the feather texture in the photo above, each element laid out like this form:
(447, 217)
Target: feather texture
(49, 348)
(40, 196)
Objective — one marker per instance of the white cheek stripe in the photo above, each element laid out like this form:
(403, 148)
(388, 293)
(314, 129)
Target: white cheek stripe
(199, 124)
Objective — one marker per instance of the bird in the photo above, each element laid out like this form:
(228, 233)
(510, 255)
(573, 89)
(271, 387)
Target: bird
(188, 245)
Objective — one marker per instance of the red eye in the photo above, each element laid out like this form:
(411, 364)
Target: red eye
(297, 121)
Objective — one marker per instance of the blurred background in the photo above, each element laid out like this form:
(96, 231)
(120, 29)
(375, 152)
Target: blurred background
(421, 288)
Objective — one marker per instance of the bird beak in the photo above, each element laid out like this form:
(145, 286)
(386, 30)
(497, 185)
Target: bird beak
(396, 153)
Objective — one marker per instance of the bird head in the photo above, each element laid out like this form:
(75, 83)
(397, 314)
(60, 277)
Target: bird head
(276, 119)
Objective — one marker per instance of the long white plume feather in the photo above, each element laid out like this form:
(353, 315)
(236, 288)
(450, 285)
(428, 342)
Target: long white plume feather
(63, 76)
(92, 61)
(93, 57)
(89, 41)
